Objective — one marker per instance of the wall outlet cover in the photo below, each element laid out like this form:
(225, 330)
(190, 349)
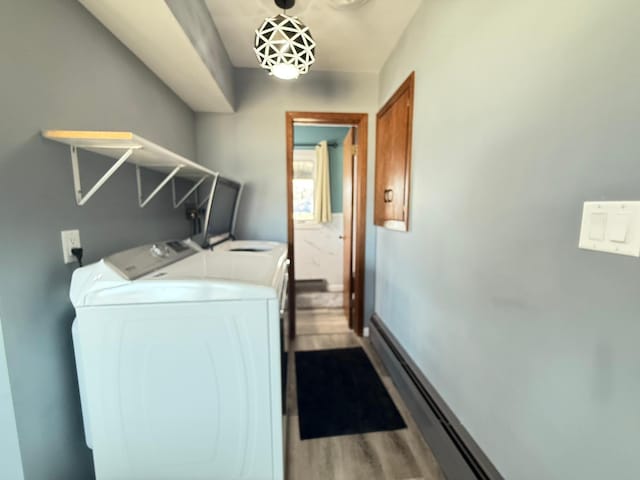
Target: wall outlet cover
(70, 239)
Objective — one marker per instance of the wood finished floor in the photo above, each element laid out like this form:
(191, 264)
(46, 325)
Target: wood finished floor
(394, 455)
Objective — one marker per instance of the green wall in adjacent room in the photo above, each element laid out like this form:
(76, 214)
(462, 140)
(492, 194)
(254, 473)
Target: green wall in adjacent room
(313, 134)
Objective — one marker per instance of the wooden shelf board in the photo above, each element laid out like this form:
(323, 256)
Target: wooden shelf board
(146, 154)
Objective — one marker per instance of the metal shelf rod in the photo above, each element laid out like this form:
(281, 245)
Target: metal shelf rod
(144, 202)
(80, 199)
(186, 195)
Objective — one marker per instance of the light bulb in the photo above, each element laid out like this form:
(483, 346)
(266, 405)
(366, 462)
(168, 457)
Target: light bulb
(285, 71)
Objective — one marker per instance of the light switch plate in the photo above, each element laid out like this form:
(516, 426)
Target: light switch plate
(612, 227)
(70, 239)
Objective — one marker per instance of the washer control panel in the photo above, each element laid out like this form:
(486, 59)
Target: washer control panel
(140, 261)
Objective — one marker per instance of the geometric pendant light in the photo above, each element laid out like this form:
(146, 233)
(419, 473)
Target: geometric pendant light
(284, 45)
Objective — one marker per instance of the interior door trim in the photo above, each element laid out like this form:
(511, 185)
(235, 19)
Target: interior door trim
(361, 121)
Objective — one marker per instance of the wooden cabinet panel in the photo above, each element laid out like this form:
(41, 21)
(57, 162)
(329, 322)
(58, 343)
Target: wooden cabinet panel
(393, 159)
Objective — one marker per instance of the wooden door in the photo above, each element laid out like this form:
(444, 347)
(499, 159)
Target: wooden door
(348, 148)
(393, 159)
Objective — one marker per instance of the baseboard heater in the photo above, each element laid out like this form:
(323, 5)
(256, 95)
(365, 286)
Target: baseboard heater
(458, 454)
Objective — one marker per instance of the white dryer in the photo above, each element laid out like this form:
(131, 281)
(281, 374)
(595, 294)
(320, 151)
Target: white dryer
(178, 352)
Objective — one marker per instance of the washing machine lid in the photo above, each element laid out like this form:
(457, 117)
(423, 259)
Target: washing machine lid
(248, 246)
(231, 262)
(207, 275)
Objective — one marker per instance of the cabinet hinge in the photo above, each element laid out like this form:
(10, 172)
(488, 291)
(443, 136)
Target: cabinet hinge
(354, 149)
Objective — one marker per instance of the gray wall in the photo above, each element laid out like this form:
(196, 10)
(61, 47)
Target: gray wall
(10, 461)
(62, 69)
(523, 111)
(250, 144)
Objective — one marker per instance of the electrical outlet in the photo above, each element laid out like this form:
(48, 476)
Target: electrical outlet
(70, 239)
(365, 331)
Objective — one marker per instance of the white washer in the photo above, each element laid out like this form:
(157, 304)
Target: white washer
(178, 353)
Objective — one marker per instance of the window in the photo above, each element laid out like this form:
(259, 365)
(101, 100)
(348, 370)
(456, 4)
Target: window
(304, 168)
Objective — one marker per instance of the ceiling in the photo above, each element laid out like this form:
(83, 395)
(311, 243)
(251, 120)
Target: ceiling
(350, 39)
(193, 45)
(150, 30)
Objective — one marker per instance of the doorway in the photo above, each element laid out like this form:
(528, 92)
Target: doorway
(312, 211)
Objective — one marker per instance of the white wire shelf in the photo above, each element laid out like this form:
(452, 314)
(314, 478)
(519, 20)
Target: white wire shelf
(126, 147)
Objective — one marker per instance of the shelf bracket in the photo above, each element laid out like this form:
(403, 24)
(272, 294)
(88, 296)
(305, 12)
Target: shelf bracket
(82, 199)
(143, 201)
(203, 202)
(186, 195)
